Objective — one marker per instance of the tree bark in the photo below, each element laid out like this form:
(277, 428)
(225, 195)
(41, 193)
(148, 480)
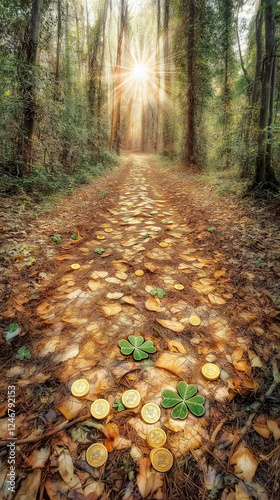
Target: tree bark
(190, 130)
(157, 75)
(265, 174)
(166, 56)
(58, 51)
(28, 85)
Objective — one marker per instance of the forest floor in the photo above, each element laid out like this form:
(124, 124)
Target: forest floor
(225, 254)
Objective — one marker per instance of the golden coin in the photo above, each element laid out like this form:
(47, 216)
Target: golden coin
(131, 398)
(211, 371)
(162, 459)
(163, 244)
(139, 272)
(156, 438)
(194, 320)
(108, 229)
(100, 237)
(80, 388)
(96, 455)
(100, 409)
(75, 266)
(179, 287)
(150, 413)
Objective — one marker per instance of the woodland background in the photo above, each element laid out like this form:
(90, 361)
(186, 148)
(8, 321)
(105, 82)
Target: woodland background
(69, 99)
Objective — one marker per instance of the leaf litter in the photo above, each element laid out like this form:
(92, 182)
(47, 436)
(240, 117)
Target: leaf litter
(73, 323)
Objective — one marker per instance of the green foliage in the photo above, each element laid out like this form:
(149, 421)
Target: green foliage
(159, 292)
(260, 261)
(23, 353)
(211, 229)
(99, 250)
(57, 238)
(74, 236)
(145, 236)
(118, 404)
(137, 346)
(184, 401)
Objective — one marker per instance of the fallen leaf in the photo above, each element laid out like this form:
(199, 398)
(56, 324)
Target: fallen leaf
(94, 285)
(148, 480)
(121, 276)
(114, 295)
(216, 299)
(66, 470)
(176, 346)
(70, 408)
(274, 428)
(153, 304)
(175, 326)
(176, 363)
(245, 463)
(111, 309)
(241, 492)
(29, 487)
(262, 430)
(39, 458)
(254, 359)
(242, 366)
(237, 354)
(99, 274)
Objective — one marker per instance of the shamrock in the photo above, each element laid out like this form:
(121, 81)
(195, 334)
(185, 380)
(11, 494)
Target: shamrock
(183, 401)
(13, 331)
(74, 236)
(99, 251)
(57, 238)
(23, 353)
(118, 404)
(211, 229)
(138, 346)
(13, 327)
(159, 292)
(145, 235)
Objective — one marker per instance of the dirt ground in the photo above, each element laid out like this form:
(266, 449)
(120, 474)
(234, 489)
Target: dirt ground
(224, 252)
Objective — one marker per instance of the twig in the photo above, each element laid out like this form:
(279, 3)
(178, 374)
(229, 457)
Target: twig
(64, 425)
(218, 428)
(257, 407)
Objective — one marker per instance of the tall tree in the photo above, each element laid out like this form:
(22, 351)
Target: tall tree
(167, 127)
(265, 175)
(28, 56)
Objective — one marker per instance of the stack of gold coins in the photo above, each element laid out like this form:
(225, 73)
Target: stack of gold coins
(150, 413)
(80, 388)
(96, 455)
(100, 409)
(156, 438)
(131, 398)
(211, 371)
(162, 459)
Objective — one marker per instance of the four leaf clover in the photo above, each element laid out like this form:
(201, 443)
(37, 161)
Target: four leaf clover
(183, 401)
(137, 346)
(159, 292)
(118, 404)
(99, 251)
(23, 353)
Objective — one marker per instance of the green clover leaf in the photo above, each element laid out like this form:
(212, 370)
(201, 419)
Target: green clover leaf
(211, 229)
(159, 292)
(74, 236)
(57, 238)
(137, 346)
(145, 235)
(23, 353)
(184, 401)
(13, 327)
(99, 251)
(118, 404)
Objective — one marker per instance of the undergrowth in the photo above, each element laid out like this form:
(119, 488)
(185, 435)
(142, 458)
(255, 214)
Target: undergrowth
(45, 184)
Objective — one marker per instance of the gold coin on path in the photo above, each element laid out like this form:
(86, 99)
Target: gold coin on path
(178, 286)
(100, 409)
(156, 438)
(139, 272)
(150, 413)
(194, 320)
(162, 459)
(75, 266)
(80, 388)
(108, 229)
(211, 371)
(131, 398)
(96, 455)
(100, 237)
(163, 244)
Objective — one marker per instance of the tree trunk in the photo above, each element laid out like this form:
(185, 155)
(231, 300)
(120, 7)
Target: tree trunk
(157, 75)
(190, 130)
(58, 51)
(264, 174)
(28, 85)
(99, 92)
(166, 56)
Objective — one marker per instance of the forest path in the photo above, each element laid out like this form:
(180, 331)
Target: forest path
(86, 311)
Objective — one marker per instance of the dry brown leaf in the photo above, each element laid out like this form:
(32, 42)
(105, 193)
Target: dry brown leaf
(175, 326)
(176, 363)
(114, 295)
(176, 346)
(39, 458)
(254, 359)
(150, 266)
(245, 463)
(66, 470)
(216, 299)
(99, 274)
(274, 428)
(241, 492)
(94, 285)
(148, 480)
(29, 487)
(242, 366)
(70, 408)
(111, 309)
(237, 354)
(153, 304)
(220, 272)
(121, 276)
(203, 289)
(128, 299)
(262, 430)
